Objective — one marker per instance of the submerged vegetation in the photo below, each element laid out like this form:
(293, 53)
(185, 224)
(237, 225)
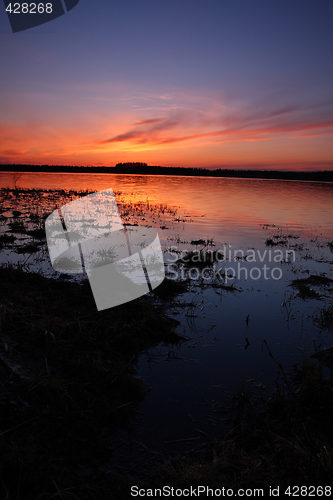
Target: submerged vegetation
(324, 318)
(69, 378)
(312, 286)
(277, 239)
(5, 239)
(26, 226)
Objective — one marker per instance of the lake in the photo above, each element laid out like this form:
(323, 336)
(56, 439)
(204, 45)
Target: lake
(269, 233)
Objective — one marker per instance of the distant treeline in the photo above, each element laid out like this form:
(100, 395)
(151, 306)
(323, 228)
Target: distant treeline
(144, 169)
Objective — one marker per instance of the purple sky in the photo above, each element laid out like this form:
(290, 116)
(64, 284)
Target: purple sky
(212, 83)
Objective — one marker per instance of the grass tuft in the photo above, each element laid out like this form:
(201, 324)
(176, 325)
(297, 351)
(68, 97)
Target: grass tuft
(324, 317)
(5, 239)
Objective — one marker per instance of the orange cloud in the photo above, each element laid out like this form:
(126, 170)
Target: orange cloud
(173, 128)
(208, 119)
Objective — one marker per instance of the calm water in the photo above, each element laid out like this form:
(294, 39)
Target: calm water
(189, 383)
(226, 209)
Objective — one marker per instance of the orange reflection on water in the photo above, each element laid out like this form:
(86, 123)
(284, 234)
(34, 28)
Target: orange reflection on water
(222, 208)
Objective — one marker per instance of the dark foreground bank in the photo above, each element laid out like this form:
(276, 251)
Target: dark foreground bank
(68, 382)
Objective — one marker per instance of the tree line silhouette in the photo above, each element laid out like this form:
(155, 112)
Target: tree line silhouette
(144, 169)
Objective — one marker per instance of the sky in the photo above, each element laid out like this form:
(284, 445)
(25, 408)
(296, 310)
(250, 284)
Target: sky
(190, 83)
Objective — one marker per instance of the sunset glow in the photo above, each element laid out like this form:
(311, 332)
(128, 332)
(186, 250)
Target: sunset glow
(87, 90)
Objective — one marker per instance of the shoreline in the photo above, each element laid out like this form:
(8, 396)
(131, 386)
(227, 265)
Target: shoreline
(313, 176)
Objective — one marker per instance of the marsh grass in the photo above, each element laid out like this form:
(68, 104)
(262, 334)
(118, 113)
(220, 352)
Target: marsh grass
(29, 248)
(205, 243)
(31, 206)
(307, 287)
(280, 239)
(6, 239)
(38, 233)
(17, 227)
(68, 382)
(276, 239)
(286, 439)
(305, 292)
(202, 261)
(325, 356)
(313, 279)
(324, 318)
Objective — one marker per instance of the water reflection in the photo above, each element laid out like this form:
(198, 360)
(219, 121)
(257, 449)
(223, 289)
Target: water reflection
(227, 209)
(226, 327)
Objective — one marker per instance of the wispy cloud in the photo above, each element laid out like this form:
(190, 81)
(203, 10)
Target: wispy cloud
(262, 121)
(168, 128)
(148, 122)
